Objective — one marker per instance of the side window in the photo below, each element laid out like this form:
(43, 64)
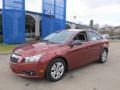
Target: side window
(93, 36)
(81, 36)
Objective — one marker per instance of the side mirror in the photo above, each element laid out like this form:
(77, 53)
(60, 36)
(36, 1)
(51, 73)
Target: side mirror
(76, 42)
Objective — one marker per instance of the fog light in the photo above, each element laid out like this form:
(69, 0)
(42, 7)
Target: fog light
(31, 73)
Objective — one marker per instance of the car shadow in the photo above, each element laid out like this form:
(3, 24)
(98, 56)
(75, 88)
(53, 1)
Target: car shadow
(69, 75)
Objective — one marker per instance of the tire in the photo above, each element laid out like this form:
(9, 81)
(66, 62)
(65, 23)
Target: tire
(104, 56)
(56, 70)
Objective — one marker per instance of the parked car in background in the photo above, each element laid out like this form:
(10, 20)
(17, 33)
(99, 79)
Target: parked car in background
(57, 53)
(107, 36)
(117, 37)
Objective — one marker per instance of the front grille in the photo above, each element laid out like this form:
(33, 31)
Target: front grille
(14, 58)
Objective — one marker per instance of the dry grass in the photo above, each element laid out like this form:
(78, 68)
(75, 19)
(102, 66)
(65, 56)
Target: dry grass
(6, 49)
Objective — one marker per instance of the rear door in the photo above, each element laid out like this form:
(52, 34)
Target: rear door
(94, 40)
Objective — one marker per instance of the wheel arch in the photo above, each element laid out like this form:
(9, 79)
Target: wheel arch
(59, 57)
(106, 49)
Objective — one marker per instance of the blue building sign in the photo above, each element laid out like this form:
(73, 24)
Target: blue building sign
(53, 17)
(13, 21)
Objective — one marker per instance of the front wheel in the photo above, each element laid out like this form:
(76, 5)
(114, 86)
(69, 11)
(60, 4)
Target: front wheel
(56, 70)
(104, 56)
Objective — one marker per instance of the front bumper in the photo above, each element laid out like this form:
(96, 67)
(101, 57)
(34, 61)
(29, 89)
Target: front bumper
(28, 70)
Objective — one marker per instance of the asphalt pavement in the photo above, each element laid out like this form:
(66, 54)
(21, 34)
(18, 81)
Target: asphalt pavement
(94, 76)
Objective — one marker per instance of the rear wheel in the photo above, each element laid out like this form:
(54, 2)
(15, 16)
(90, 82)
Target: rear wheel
(56, 70)
(104, 56)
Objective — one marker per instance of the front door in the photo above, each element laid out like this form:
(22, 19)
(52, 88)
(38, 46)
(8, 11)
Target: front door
(79, 54)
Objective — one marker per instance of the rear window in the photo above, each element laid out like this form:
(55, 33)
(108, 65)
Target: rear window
(93, 36)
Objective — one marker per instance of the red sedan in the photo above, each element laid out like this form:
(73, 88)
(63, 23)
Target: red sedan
(57, 53)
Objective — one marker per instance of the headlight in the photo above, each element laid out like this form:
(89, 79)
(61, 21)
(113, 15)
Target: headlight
(33, 58)
(15, 56)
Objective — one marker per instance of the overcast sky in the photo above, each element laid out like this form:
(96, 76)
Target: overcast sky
(101, 11)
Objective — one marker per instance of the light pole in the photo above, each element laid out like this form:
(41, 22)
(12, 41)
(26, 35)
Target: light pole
(74, 17)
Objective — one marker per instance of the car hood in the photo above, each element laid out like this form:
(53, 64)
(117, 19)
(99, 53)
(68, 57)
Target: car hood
(35, 48)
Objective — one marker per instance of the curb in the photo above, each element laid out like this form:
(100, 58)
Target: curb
(4, 54)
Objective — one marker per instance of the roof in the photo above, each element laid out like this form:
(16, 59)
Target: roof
(80, 30)
(76, 29)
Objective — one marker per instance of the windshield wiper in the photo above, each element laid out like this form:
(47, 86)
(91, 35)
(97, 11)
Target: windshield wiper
(45, 40)
(48, 41)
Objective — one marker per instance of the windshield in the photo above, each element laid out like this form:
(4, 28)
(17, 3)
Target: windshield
(59, 37)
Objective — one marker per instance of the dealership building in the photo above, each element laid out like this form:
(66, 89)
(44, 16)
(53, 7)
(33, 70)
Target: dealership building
(33, 25)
